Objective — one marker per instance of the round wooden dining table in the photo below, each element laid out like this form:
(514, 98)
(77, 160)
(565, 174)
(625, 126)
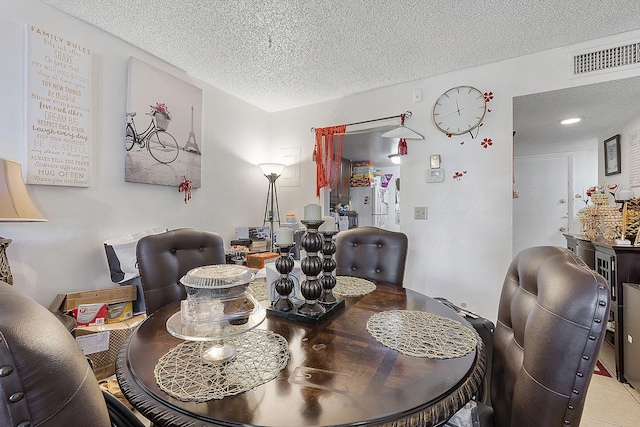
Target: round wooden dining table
(337, 373)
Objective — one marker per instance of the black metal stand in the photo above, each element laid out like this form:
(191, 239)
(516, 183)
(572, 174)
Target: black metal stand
(312, 310)
(311, 288)
(328, 265)
(284, 284)
(271, 209)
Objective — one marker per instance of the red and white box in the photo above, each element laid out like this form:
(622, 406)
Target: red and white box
(90, 314)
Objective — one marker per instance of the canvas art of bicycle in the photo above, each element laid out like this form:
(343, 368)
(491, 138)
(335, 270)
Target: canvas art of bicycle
(162, 146)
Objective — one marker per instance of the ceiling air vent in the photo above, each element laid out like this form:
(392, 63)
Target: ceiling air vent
(606, 59)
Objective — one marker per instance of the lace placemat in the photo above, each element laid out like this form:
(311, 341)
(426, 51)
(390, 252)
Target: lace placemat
(259, 288)
(348, 286)
(182, 374)
(421, 334)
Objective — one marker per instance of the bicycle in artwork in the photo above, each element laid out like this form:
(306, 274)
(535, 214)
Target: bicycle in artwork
(162, 146)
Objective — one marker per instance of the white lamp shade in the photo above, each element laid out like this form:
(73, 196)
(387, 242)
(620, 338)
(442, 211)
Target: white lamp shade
(272, 168)
(15, 203)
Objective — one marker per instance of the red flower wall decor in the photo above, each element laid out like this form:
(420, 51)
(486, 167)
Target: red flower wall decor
(459, 175)
(186, 187)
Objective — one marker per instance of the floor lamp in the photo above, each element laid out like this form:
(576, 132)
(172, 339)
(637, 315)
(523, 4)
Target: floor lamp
(15, 206)
(271, 211)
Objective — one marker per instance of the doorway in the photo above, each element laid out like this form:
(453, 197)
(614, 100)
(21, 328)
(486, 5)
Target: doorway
(602, 106)
(377, 204)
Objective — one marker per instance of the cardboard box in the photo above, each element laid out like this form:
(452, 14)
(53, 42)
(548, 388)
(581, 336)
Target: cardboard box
(90, 314)
(119, 311)
(66, 302)
(258, 260)
(101, 344)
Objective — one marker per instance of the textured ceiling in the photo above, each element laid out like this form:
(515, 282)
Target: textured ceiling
(279, 54)
(603, 106)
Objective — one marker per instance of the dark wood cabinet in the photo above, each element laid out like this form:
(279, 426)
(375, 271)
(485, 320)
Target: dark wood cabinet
(619, 265)
(571, 243)
(587, 251)
(340, 191)
(583, 248)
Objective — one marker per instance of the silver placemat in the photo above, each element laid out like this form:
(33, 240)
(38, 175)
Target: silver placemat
(421, 334)
(182, 374)
(348, 286)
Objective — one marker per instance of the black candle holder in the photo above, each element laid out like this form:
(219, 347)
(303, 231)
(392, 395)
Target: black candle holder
(284, 284)
(328, 280)
(311, 266)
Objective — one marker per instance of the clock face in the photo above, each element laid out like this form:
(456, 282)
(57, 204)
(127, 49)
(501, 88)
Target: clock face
(459, 110)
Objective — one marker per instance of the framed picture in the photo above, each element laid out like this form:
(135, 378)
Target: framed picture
(162, 141)
(612, 155)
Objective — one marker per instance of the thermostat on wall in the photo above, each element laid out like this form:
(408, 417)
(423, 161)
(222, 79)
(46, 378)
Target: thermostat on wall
(435, 175)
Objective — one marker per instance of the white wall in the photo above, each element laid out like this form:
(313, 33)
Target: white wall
(464, 248)
(461, 252)
(625, 131)
(66, 253)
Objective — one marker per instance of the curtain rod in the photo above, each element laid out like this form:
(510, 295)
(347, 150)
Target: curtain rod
(406, 115)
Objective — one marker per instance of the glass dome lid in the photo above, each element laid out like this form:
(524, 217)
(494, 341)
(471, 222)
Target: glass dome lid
(217, 276)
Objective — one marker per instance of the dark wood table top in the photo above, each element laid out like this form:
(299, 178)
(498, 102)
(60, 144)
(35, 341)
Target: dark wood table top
(373, 384)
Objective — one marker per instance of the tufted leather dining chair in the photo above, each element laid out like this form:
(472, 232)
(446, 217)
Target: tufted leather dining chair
(163, 259)
(552, 319)
(372, 253)
(45, 379)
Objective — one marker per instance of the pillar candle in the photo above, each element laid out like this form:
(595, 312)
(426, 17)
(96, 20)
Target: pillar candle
(329, 224)
(312, 212)
(284, 236)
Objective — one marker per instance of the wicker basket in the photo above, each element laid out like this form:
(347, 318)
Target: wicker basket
(600, 198)
(162, 122)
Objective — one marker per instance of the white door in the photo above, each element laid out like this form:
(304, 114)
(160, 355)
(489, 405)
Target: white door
(541, 213)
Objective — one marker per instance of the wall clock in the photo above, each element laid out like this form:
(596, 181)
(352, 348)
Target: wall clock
(459, 110)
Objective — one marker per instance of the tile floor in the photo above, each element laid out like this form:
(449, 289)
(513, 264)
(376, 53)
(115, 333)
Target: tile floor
(609, 403)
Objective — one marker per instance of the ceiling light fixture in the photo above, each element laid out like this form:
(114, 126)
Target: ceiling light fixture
(570, 121)
(395, 158)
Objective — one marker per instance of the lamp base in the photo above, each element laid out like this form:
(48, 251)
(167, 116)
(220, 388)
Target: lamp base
(5, 269)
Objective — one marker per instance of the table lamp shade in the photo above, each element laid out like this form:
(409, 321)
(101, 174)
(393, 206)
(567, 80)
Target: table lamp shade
(15, 203)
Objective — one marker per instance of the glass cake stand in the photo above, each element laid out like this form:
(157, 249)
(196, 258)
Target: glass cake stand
(238, 314)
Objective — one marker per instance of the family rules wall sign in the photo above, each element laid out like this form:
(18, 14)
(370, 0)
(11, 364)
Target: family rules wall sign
(58, 109)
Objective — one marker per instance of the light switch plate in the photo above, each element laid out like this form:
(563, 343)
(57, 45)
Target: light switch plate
(434, 161)
(435, 175)
(420, 212)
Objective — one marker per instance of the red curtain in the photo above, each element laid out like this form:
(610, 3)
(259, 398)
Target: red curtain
(328, 154)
